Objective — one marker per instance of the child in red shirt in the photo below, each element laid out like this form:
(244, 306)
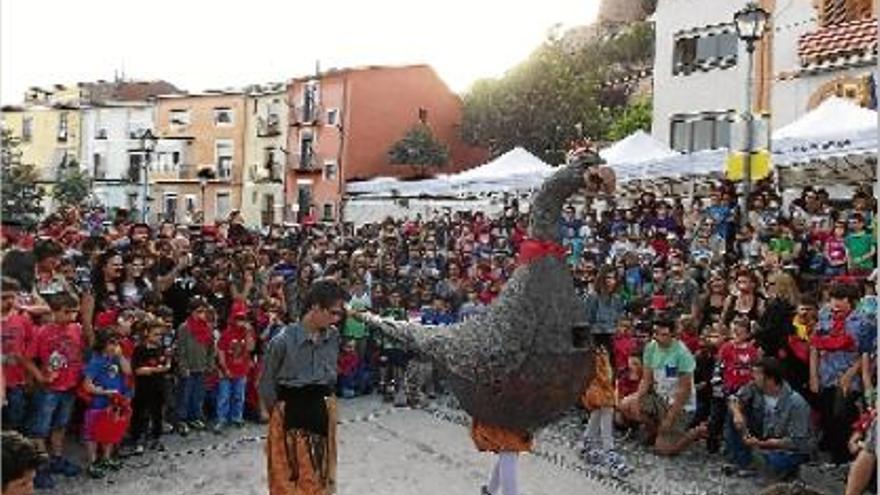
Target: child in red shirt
(347, 365)
(623, 344)
(16, 332)
(737, 357)
(58, 347)
(234, 354)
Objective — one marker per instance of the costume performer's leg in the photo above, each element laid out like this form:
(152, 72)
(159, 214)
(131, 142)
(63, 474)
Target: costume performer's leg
(298, 476)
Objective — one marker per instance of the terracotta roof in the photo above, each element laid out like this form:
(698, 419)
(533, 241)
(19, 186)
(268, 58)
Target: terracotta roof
(840, 41)
(128, 90)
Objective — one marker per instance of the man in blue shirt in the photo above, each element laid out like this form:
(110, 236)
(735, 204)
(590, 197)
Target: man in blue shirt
(769, 424)
(842, 337)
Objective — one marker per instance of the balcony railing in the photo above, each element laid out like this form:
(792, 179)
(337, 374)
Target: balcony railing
(306, 114)
(304, 161)
(269, 126)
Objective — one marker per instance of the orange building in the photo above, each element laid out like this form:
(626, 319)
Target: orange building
(212, 126)
(343, 122)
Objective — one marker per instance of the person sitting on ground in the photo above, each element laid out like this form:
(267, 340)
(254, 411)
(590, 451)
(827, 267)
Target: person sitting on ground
(863, 470)
(769, 424)
(665, 400)
(21, 458)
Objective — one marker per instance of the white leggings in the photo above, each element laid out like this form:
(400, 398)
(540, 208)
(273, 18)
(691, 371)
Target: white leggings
(600, 427)
(504, 474)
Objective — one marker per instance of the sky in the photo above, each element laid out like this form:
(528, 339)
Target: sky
(200, 44)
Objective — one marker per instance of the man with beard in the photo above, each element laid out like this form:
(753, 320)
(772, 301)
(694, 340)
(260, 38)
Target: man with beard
(297, 387)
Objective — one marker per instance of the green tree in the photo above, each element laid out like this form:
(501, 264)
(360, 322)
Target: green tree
(73, 185)
(20, 191)
(419, 148)
(557, 94)
(631, 119)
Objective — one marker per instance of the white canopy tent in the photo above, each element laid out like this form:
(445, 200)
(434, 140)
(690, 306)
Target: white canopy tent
(516, 170)
(833, 143)
(629, 155)
(836, 128)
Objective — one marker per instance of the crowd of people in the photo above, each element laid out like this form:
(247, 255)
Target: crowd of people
(754, 333)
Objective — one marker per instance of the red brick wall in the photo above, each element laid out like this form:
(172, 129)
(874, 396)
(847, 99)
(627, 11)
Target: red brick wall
(384, 105)
(377, 108)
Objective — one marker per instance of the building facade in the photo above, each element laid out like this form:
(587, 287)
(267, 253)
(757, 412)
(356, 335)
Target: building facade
(699, 73)
(265, 153)
(110, 146)
(343, 122)
(823, 49)
(207, 131)
(811, 49)
(49, 137)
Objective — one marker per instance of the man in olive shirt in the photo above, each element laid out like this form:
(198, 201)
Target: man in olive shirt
(297, 387)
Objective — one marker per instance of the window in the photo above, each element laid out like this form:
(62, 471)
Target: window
(132, 201)
(679, 135)
(222, 116)
(179, 117)
(705, 51)
(306, 150)
(223, 205)
(303, 199)
(267, 215)
(333, 116)
(101, 133)
(189, 202)
(707, 47)
(269, 157)
(705, 131)
(684, 55)
(722, 133)
(330, 171)
(135, 161)
(170, 207)
(98, 170)
(27, 128)
(310, 101)
(62, 126)
(223, 150)
(328, 211)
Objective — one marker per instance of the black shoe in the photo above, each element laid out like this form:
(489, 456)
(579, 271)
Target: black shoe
(484, 490)
(182, 429)
(157, 446)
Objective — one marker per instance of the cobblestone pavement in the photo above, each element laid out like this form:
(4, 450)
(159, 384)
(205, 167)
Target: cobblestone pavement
(388, 451)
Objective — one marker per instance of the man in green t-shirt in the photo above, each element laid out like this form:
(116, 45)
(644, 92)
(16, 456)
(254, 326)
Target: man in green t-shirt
(665, 400)
(861, 247)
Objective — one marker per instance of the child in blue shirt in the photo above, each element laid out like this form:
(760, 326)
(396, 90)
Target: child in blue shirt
(105, 376)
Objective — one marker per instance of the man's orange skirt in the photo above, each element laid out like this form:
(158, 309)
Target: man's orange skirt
(283, 445)
(491, 438)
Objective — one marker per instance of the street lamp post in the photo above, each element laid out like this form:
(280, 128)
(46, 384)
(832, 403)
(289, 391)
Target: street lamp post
(750, 24)
(148, 144)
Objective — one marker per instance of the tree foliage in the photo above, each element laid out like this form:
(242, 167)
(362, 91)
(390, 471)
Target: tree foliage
(21, 192)
(73, 186)
(556, 95)
(631, 119)
(419, 148)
